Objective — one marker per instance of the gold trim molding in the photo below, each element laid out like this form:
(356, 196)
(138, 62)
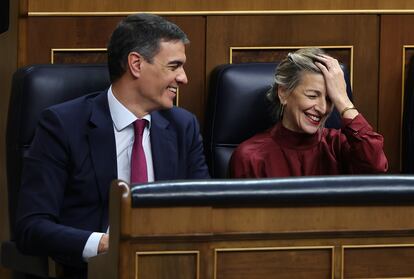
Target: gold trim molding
(249, 249)
(242, 12)
(146, 253)
(53, 50)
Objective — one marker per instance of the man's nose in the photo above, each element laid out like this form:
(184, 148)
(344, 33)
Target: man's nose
(182, 77)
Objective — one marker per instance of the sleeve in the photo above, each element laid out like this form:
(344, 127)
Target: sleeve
(45, 175)
(196, 163)
(91, 246)
(362, 148)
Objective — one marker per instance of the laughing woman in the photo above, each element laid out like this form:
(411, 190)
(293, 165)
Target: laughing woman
(308, 84)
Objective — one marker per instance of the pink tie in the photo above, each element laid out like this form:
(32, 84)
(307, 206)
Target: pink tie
(138, 162)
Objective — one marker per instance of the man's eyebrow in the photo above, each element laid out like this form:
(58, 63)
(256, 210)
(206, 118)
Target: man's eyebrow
(176, 62)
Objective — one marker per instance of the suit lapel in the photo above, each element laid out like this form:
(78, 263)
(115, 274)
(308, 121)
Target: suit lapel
(102, 144)
(164, 148)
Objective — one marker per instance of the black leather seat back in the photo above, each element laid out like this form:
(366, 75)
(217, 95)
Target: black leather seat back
(408, 122)
(35, 88)
(329, 190)
(238, 109)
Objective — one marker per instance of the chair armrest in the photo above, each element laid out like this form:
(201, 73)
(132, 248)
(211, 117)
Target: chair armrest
(15, 260)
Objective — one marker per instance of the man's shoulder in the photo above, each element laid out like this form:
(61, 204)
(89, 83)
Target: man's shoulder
(74, 113)
(81, 101)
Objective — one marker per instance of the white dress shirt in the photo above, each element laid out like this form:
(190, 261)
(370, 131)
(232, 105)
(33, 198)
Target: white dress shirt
(123, 121)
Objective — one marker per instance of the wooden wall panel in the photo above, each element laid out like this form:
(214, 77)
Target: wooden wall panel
(396, 31)
(94, 32)
(379, 262)
(206, 5)
(246, 55)
(358, 31)
(47, 33)
(274, 263)
(88, 56)
(277, 220)
(167, 265)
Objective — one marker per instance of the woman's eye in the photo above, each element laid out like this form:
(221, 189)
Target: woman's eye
(311, 96)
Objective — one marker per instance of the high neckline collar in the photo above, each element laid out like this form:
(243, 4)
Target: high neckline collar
(296, 140)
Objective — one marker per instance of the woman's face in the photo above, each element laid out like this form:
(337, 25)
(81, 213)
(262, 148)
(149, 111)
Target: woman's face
(307, 107)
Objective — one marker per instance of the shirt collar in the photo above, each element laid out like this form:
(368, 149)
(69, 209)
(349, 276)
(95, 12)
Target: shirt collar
(296, 140)
(121, 116)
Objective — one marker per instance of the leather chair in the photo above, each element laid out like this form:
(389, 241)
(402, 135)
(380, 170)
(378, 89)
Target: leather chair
(237, 109)
(408, 122)
(33, 89)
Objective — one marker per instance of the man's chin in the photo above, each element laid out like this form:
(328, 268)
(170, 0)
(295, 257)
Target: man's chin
(167, 105)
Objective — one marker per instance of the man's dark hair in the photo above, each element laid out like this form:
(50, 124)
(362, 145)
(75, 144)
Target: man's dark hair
(141, 33)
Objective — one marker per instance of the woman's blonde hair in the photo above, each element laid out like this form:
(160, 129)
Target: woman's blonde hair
(289, 73)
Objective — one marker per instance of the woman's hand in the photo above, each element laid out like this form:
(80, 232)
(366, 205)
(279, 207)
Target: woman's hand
(336, 86)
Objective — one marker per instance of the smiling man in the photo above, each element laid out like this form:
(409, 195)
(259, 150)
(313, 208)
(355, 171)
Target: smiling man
(132, 132)
(308, 85)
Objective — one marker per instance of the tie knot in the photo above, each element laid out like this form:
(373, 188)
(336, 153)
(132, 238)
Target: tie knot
(139, 126)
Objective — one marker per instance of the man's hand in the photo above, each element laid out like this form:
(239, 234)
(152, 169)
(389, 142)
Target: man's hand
(103, 244)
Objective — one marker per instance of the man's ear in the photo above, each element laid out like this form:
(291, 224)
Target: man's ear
(135, 63)
(282, 93)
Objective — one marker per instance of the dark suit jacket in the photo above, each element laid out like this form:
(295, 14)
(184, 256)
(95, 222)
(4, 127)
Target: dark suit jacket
(71, 162)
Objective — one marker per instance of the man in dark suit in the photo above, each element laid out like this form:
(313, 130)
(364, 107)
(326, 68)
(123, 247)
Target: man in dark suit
(83, 144)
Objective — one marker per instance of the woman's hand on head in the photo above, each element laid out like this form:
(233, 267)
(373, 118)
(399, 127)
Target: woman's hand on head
(335, 83)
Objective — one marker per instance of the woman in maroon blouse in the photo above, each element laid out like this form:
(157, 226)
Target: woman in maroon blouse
(308, 84)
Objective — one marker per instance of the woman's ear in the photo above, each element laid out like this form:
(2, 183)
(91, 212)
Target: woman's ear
(282, 93)
(135, 64)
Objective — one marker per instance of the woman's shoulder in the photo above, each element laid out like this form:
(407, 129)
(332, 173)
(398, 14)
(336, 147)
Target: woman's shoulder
(256, 145)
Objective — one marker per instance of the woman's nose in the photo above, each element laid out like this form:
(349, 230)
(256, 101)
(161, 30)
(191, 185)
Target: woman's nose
(321, 105)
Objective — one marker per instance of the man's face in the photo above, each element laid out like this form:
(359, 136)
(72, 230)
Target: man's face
(159, 80)
(307, 106)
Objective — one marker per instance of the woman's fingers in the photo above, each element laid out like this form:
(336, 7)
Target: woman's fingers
(329, 62)
(334, 78)
(321, 66)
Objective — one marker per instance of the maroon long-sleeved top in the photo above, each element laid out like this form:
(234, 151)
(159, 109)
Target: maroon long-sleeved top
(279, 152)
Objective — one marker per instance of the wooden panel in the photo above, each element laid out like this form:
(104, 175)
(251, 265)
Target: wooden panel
(78, 56)
(45, 34)
(167, 265)
(176, 219)
(396, 31)
(379, 262)
(275, 264)
(226, 5)
(246, 55)
(278, 220)
(94, 32)
(358, 31)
